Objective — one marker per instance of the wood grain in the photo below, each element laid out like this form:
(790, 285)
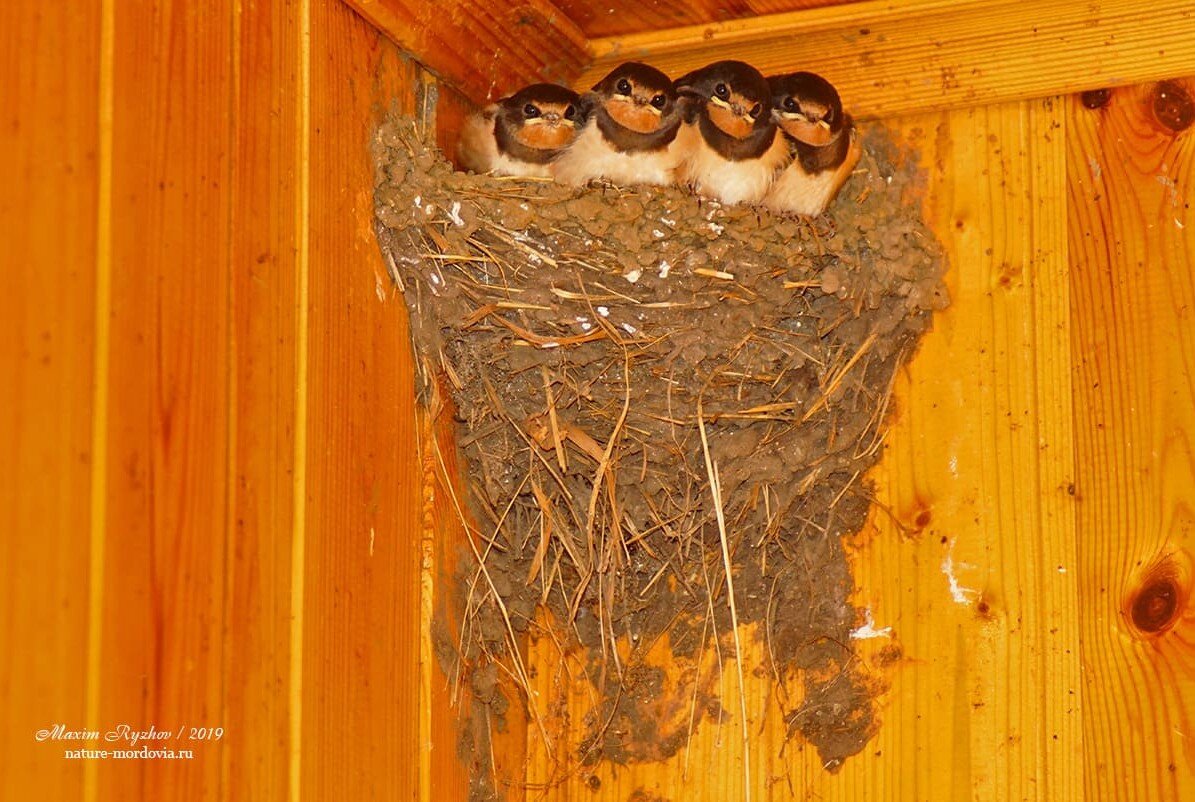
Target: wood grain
(167, 474)
(265, 187)
(616, 17)
(983, 699)
(484, 50)
(1042, 444)
(897, 58)
(361, 637)
(205, 242)
(1131, 181)
(49, 123)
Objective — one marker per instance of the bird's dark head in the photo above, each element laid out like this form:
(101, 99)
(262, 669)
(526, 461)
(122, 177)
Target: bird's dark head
(542, 117)
(807, 107)
(733, 94)
(637, 96)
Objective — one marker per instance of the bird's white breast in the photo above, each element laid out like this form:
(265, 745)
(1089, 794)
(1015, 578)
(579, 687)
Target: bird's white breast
(797, 191)
(715, 176)
(592, 156)
(801, 193)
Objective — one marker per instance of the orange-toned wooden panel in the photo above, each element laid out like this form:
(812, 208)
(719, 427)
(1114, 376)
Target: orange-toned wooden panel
(632, 16)
(49, 126)
(967, 569)
(265, 187)
(1131, 177)
(451, 111)
(484, 49)
(917, 55)
(161, 653)
(361, 602)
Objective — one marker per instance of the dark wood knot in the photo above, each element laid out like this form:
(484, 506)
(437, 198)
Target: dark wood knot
(1095, 98)
(1155, 607)
(1173, 107)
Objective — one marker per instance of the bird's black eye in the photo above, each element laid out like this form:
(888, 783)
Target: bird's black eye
(530, 111)
(829, 116)
(790, 104)
(570, 113)
(659, 101)
(623, 87)
(755, 110)
(722, 91)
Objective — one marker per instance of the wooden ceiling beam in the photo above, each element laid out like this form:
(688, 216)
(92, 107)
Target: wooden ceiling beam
(889, 57)
(484, 50)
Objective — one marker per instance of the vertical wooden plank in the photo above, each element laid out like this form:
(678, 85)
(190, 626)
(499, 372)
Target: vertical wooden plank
(973, 563)
(1131, 179)
(49, 63)
(361, 639)
(265, 185)
(167, 473)
(451, 111)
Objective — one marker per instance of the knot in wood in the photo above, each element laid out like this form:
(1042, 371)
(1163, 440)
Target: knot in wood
(1095, 98)
(1173, 106)
(1155, 607)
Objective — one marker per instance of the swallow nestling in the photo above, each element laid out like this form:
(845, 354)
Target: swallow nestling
(522, 134)
(825, 147)
(630, 136)
(734, 149)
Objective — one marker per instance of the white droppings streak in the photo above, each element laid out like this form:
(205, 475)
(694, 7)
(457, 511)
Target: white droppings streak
(957, 591)
(868, 630)
(657, 233)
(603, 311)
(629, 329)
(664, 268)
(633, 276)
(418, 201)
(454, 214)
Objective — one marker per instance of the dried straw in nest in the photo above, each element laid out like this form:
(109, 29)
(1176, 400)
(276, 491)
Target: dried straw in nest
(668, 406)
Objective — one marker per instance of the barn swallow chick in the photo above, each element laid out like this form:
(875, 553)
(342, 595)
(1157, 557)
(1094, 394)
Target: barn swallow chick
(825, 147)
(733, 148)
(630, 136)
(522, 134)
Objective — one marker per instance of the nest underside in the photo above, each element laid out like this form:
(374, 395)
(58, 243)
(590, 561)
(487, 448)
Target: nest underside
(632, 365)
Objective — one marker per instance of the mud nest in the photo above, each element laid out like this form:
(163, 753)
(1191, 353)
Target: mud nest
(650, 387)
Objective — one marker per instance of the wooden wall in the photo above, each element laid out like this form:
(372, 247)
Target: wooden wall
(209, 480)
(216, 498)
(1033, 551)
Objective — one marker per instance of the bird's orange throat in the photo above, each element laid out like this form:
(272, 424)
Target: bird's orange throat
(807, 132)
(546, 135)
(642, 119)
(738, 126)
